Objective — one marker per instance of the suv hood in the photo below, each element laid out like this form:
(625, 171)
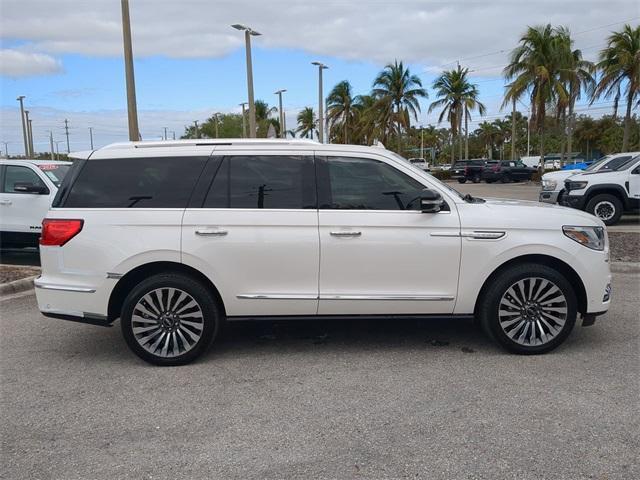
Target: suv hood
(521, 214)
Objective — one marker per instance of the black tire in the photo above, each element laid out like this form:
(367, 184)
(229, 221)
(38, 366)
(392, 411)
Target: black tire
(605, 202)
(209, 318)
(489, 181)
(476, 179)
(506, 178)
(490, 309)
(462, 180)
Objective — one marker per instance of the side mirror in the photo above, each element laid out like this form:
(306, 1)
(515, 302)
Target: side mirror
(30, 188)
(430, 201)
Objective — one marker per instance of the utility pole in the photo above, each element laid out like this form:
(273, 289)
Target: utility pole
(28, 142)
(174, 134)
(244, 120)
(321, 67)
(30, 132)
(283, 127)
(215, 115)
(6, 149)
(195, 122)
(132, 109)
(165, 133)
(51, 143)
(91, 136)
(58, 142)
(66, 132)
(422, 142)
(24, 127)
(513, 130)
(248, 33)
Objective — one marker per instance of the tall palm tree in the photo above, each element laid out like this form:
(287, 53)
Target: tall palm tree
(341, 115)
(374, 118)
(534, 70)
(307, 122)
(619, 68)
(488, 133)
(401, 90)
(576, 73)
(457, 97)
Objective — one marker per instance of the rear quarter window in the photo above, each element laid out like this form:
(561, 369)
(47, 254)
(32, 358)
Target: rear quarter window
(160, 182)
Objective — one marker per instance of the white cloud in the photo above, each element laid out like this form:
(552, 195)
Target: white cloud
(431, 32)
(18, 63)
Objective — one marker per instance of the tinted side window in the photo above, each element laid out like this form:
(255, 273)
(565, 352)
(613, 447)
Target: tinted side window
(366, 184)
(16, 175)
(264, 181)
(163, 182)
(616, 163)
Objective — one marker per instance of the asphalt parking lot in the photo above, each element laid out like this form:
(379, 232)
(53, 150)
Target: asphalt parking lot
(386, 399)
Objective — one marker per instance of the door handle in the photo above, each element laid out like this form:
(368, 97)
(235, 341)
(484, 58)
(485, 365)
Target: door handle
(210, 232)
(345, 234)
(5, 202)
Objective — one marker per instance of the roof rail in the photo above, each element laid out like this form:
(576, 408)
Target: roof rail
(209, 142)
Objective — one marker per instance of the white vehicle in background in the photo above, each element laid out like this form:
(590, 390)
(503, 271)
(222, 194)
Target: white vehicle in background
(553, 182)
(421, 163)
(177, 238)
(533, 162)
(27, 189)
(607, 193)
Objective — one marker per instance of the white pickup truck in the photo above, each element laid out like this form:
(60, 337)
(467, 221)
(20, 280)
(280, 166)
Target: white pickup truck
(27, 188)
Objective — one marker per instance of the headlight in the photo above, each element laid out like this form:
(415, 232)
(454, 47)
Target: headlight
(576, 185)
(549, 184)
(591, 237)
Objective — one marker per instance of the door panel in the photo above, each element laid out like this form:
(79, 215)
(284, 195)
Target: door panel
(260, 251)
(377, 260)
(22, 212)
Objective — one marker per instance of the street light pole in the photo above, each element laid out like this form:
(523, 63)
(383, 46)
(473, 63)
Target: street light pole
(195, 122)
(26, 119)
(30, 130)
(215, 115)
(244, 120)
(66, 132)
(321, 67)
(422, 143)
(91, 136)
(24, 127)
(283, 126)
(165, 133)
(248, 33)
(51, 143)
(132, 109)
(513, 130)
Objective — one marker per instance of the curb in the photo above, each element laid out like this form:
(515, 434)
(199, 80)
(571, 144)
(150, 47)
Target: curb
(17, 286)
(625, 267)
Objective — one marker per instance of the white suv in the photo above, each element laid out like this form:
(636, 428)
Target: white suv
(27, 188)
(174, 238)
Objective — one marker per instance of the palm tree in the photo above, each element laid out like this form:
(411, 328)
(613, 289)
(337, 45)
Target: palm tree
(307, 122)
(341, 115)
(488, 133)
(264, 118)
(576, 73)
(534, 70)
(457, 97)
(374, 118)
(401, 90)
(619, 68)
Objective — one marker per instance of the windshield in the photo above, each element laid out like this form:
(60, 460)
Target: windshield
(55, 172)
(596, 165)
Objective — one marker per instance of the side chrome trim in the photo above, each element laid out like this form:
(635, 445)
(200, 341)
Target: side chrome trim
(64, 288)
(264, 296)
(484, 234)
(114, 275)
(427, 298)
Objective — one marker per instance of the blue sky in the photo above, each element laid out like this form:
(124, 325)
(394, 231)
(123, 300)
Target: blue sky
(187, 66)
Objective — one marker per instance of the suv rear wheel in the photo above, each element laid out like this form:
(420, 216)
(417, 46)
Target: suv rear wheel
(169, 319)
(606, 207)
(529, 309)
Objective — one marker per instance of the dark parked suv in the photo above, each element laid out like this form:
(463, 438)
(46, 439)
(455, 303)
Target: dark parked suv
(464, 170)
(506, 171)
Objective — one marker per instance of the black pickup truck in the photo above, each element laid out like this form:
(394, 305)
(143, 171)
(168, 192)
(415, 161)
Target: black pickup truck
(464, 170)
(506, 171)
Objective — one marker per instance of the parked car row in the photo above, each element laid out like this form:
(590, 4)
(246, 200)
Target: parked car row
(607, 189)
(490, 171)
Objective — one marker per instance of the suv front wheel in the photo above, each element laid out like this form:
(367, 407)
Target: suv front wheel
(606, 207)
(529, 309)
(169, 319)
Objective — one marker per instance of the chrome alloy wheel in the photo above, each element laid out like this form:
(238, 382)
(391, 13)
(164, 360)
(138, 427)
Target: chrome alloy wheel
(532, 311)
(167, 322)
(604, 210)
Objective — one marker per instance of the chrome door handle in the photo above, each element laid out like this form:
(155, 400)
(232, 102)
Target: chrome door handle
(345, 234)
(209, 232)
(5, 202)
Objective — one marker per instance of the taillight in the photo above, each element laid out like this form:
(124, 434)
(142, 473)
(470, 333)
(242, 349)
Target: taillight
(57, 231)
